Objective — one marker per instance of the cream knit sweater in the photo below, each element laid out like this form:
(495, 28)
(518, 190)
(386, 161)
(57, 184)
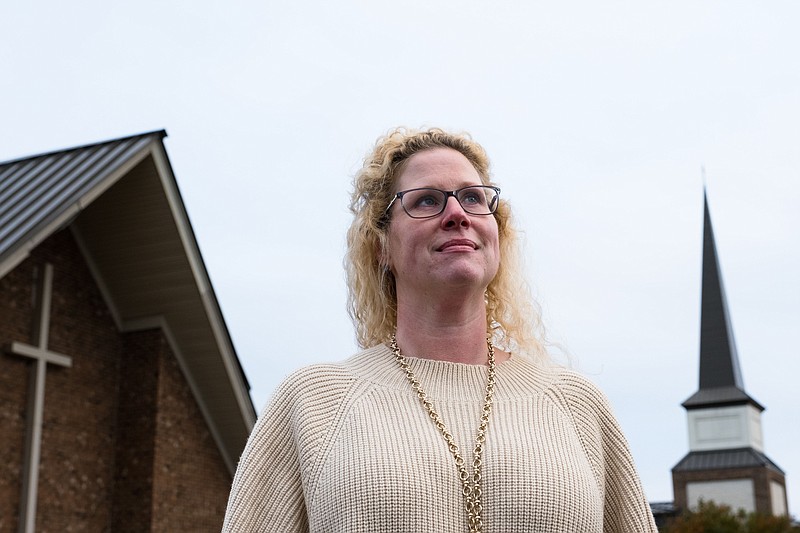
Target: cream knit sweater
(348, 447)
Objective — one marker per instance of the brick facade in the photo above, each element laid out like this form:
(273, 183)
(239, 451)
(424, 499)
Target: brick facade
(191, 483)
(760, 476)
(124, 444)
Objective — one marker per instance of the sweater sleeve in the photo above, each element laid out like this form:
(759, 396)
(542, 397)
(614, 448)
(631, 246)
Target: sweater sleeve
(273, 476)
(625, 507)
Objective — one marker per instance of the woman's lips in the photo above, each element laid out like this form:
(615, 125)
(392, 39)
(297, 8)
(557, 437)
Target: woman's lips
(456, 244)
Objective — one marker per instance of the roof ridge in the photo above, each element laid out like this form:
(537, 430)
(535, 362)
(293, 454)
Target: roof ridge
(161, 132)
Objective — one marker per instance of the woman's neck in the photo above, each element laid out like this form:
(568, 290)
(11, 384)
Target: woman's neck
(452, 331)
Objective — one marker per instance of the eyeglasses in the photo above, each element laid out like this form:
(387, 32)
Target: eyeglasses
(426, 202)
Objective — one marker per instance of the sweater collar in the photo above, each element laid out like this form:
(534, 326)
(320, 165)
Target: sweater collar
(440, 379)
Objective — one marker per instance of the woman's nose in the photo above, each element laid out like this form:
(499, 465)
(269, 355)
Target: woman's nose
(454, 214)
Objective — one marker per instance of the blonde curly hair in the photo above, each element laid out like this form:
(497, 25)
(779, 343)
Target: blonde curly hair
(513, 319)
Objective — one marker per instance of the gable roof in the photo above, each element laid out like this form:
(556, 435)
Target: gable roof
(120, 200)
(721, 380)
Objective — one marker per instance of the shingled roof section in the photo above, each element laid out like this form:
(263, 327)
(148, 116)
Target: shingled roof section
(37, 191)
(722, 459)
(720, 377)
(121, 201)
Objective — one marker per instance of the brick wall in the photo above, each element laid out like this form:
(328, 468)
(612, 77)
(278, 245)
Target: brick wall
(124, 445)
(16, 309)
(133, 496)
(189, 473)
(761, 477)
(77, 447)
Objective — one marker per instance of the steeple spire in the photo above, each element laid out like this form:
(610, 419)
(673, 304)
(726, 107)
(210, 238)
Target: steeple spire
(726, 462)
(720, 376)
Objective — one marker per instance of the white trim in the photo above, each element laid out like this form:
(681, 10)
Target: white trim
(13, 260)
(200, 274)
(181, 219)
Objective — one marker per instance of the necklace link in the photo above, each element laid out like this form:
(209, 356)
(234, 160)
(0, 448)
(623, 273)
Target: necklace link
(471, 484)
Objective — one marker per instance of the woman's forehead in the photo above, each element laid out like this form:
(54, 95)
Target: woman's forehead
(437, 167)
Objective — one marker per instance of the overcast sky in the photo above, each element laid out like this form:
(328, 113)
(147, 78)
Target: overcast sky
(598, 117)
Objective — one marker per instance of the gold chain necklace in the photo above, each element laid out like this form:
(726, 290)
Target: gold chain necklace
(471, 485)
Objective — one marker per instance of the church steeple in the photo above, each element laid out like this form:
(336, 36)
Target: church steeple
(721, 380)
(726, 462)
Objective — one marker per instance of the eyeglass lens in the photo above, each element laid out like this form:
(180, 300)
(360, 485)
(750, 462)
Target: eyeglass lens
(423, 203)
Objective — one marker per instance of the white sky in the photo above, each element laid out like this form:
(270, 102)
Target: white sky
(598, 117)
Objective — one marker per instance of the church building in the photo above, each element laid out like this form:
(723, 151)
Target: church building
(123, 406)
(726, 462)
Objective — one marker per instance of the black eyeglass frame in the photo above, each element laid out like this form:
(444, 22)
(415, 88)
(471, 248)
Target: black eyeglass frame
(447, 194)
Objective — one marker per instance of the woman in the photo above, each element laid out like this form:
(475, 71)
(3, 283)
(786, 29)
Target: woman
(452, 418)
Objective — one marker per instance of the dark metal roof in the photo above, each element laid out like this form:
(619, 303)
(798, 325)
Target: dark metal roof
(721, 380)
(720, 397)
(663, 512)
(662, 508)
(121, 201)
(723, 459)
(35, 191)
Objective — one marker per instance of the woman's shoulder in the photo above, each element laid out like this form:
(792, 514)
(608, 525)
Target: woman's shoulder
(573, 390)
(321, 381)
(578, 384)
(588, 407)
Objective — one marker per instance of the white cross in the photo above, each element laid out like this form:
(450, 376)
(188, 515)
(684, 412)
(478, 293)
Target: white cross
(39, 353)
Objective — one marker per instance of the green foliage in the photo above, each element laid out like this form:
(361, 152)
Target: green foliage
(712, 518)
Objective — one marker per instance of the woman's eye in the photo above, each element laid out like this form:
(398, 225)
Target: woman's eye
(472, 198)
(426, 201)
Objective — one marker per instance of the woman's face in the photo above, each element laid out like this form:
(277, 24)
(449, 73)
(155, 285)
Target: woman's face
(453, 249)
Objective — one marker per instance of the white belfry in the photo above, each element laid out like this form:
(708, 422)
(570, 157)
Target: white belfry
(42, 356)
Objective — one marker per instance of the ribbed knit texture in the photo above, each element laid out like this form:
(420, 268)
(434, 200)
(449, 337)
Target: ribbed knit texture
(348, 447)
